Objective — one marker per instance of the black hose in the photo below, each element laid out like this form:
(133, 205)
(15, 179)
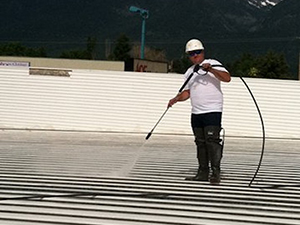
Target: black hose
(263, 131)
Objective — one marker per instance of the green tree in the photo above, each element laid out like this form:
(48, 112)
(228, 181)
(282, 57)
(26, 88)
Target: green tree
(17, 49)
(181, 65)
(122, 49)
(91, 47)
(271, 65)
(88, 53)
(244, 66)
(74, 54)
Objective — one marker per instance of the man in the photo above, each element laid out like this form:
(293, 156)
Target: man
(204, 92)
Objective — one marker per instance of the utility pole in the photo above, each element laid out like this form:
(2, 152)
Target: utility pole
(145, 15)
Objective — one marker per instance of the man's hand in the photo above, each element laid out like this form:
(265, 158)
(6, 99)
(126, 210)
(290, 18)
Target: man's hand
(182, 96)
(172, 102)
(206, 66)
(221, 75)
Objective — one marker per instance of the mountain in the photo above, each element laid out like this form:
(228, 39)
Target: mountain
(227, 27)
(264, 3)
(283, 20)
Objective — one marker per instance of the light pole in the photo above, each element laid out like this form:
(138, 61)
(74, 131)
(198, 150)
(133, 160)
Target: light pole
(145, 15)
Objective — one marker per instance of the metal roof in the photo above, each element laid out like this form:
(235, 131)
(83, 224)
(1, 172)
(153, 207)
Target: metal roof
(79, 178)
(114, 101)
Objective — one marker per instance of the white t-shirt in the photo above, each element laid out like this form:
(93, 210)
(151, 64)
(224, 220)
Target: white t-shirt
(205, 89)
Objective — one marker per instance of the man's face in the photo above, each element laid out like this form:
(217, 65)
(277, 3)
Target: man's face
(196, 56)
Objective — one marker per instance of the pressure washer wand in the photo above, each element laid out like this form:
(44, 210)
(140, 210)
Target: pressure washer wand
(196, 68)
(150, 133)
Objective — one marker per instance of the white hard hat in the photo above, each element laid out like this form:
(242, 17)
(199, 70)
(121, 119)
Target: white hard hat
(193, 44)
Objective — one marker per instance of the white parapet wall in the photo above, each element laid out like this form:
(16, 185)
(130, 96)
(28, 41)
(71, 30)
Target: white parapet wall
(116, 101)
(63, 63)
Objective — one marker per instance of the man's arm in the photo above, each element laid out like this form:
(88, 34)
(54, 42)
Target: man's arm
(179, 98)
(221, 75)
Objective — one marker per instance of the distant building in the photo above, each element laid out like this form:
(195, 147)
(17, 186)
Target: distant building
(142, 65)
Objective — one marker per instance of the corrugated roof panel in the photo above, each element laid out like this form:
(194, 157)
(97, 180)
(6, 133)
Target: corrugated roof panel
(95, 178)
(133, 102)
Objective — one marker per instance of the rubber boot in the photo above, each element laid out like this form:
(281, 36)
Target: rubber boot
(215, 178)
(214, 147)
(202, 174)
(202, 155)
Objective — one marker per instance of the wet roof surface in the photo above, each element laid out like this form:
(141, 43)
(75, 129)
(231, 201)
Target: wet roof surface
(100, 178)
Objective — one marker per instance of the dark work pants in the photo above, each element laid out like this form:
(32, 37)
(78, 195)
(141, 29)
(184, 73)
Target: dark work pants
(206, 128)
(206, 119)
